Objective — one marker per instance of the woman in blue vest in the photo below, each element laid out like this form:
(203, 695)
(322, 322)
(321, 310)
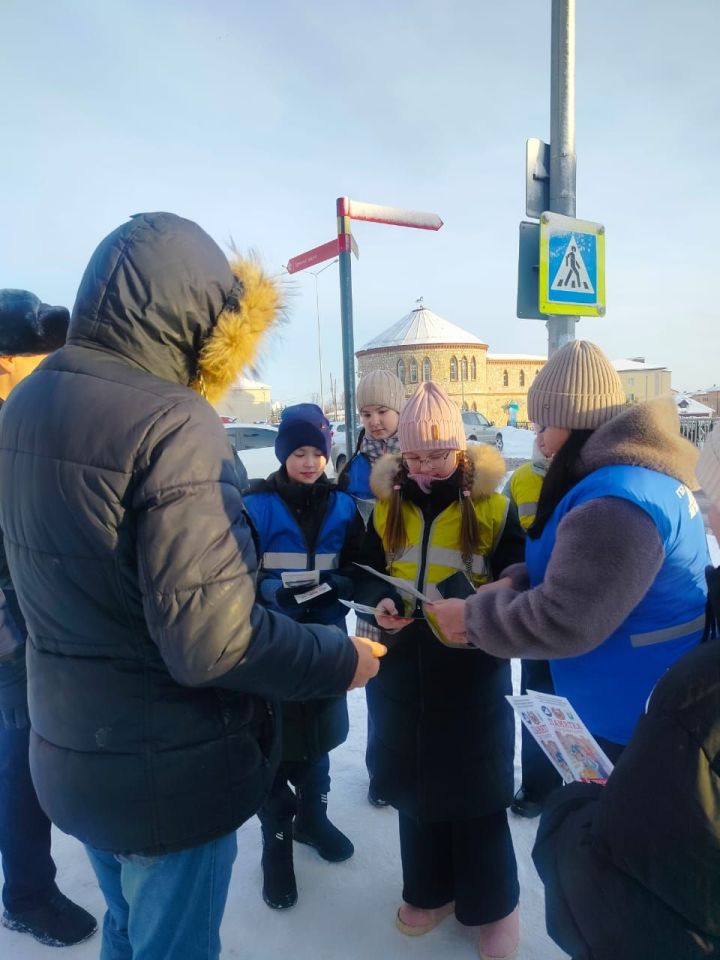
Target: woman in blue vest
(613, 589)
(304, 524)
(632, 869)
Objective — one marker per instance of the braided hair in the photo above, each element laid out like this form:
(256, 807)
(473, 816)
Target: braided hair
(395, 536)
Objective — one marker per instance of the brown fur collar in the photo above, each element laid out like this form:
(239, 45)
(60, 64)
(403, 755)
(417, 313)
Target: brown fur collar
(646, 435)
(489, 471)
(233, 343)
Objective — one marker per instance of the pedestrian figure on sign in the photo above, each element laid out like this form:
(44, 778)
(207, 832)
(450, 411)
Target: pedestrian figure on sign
(571, 262)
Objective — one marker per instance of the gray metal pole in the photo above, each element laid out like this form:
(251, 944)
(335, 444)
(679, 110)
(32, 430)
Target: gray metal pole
(563, 161)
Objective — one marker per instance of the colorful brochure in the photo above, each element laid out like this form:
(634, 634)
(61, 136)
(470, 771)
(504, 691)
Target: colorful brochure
(563, 737)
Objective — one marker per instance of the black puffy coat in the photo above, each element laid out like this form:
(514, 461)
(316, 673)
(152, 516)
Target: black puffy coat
(150, 665)
(442, 744)
(632, 869)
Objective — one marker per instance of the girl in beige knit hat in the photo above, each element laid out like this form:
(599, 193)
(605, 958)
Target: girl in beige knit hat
(380, 398)
(444, 733)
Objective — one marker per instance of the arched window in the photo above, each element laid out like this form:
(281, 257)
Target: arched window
(473, 369)
(401, 371)
(453, 368)
(522, 378)
(463, 369)
(465, 406)
(535, 374)
(506, 378)
(427, 371)
(413, 371)
(474, 406)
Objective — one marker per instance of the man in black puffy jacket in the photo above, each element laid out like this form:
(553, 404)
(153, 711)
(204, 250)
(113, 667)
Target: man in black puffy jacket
(151, 670)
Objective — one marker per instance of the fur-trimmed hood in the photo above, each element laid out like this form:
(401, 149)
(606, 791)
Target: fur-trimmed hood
(646, 435)
(488, 462)
(159, 292)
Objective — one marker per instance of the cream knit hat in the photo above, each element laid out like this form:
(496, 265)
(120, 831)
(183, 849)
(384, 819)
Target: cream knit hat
(380, 388)
(430, 421)
(708, 468)
(578, 389)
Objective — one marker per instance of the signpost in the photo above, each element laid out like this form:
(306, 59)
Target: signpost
(347, 211)
(572, 266)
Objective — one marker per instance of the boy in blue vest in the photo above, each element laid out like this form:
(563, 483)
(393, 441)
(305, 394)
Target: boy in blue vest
(305, 526)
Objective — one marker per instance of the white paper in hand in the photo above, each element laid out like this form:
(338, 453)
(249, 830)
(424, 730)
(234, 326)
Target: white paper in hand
(402, 586)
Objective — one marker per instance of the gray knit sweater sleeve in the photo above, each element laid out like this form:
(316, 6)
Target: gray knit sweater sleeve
(607, 554)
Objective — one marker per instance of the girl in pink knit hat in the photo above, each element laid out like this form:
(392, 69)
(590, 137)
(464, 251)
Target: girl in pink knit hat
(444, 732)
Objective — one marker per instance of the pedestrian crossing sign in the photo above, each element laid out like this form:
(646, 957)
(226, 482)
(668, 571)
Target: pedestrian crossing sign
(572, 266)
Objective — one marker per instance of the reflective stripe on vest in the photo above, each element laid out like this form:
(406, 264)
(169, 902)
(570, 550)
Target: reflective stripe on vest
(443, 556)
(285, 561)
(524, 488)
(668, 633)
(299, 561)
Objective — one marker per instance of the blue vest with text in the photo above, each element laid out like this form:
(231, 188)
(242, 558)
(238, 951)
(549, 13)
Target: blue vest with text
(283, 545)
(609, 686)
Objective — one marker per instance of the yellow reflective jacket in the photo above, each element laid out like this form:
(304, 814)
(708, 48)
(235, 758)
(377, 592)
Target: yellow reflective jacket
(433, 550)
(524, 490)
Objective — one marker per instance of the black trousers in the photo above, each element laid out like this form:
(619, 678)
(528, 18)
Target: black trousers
(469, 861)
(311, 780)
(539, 777)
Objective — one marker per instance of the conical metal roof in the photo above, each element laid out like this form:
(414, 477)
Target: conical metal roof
(419, 327)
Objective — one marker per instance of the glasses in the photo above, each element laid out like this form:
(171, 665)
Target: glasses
(434, 460)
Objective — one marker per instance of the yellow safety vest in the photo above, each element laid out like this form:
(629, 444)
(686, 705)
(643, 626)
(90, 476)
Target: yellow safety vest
(524, 488)
(433, 554)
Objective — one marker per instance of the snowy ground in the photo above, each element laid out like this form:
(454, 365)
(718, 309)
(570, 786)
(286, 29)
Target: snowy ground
(345, 911)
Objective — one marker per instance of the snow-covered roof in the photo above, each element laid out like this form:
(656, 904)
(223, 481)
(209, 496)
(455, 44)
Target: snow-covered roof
(637, 363)
(245, 383)
(688, 407)
(419, 327)
(516, 356)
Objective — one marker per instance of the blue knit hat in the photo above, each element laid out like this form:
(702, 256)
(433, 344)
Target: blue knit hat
(303, 425)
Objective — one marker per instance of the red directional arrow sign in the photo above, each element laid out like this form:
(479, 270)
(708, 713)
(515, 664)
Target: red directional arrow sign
(324, 252)
(303, 260)
(397, 216)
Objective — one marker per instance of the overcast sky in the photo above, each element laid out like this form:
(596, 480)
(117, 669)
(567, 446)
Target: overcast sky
(252, 117)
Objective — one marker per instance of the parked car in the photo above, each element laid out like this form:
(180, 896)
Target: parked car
(254, 446)
(338, 453)
(478, 427)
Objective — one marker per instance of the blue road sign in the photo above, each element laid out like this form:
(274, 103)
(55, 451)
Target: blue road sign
(572, 266)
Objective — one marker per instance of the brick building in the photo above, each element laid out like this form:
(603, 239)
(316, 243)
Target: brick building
(423, 346)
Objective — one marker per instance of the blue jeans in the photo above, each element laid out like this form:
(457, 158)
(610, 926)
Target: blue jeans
(167, 907)
(28, 868)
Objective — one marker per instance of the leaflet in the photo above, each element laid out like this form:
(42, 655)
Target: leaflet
(299, 578)
(563, 737)
(402, 586)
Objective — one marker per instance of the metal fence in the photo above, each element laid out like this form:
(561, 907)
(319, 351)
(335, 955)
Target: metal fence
(696, 429)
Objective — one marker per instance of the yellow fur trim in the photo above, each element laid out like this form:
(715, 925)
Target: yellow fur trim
(488, 462)
(233, 343)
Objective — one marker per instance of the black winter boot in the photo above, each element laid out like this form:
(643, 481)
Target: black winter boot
(58, 922)
(279, 887)
(313, 827)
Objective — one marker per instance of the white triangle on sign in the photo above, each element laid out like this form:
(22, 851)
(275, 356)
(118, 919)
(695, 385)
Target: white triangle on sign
(572, 273)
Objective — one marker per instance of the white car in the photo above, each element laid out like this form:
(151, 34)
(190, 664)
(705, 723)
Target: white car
(254, 446)
(478, 427)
